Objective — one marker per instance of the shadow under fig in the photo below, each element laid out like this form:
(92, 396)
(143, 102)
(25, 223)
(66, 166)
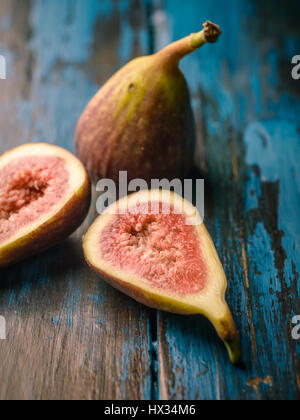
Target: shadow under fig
(55, 264)
(197, 331)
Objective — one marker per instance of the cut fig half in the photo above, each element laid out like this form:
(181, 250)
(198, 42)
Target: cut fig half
(154, 247)
(44, 197)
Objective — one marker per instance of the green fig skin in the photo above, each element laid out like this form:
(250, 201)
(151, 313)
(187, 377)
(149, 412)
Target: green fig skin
(141, 122)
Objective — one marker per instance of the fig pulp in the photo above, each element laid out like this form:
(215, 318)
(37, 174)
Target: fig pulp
(44, 197)
(141, 121)
(154, 247)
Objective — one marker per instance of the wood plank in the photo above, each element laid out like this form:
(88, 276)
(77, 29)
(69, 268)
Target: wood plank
(69, 335)
(247, 110)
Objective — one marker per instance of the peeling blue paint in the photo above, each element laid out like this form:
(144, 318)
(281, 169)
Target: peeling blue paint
(237, 93)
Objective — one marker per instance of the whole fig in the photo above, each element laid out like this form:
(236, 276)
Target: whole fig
(141, 121)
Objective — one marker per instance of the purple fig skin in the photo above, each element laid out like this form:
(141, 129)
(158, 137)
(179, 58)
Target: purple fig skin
(141, 121)
(53, 231)
(150, 133)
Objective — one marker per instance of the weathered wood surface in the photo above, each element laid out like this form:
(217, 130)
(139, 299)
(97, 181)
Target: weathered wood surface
(71, 336)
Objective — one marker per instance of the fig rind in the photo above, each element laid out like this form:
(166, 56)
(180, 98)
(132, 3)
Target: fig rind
(210, 302)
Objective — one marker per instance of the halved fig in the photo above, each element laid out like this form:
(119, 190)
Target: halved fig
(44, 197)
(154, 247)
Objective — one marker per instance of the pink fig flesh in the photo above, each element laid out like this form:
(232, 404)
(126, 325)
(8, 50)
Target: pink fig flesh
(44, 197)
(160, 248)
(154, 247)
(29, 187)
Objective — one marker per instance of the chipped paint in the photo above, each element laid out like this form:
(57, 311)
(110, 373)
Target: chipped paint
(250, 150)
(63, 319)
(256, 383)
(94, 342)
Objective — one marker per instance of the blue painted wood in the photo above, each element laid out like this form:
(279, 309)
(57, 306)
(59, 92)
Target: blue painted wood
(70, 335)
(247, 108)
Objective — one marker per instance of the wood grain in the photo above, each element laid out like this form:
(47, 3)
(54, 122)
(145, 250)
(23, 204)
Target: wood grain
(72, 337)
(248, 147)
(69, 335)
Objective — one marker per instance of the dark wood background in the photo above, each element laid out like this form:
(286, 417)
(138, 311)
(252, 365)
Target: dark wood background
(69, 335)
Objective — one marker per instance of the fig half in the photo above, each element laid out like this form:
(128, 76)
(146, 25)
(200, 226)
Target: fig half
(44, 197)
(154, 247)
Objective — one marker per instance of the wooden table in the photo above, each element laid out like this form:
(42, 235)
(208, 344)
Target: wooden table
(69, 335)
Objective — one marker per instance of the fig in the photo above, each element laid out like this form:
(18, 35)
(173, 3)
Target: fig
(44, 197)
(141, 121)
(154, 247)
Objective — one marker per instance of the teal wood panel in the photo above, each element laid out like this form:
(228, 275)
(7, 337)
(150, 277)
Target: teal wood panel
(70, 336)
(247, 108)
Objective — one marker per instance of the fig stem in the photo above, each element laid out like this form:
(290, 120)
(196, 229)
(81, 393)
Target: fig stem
(179, 49)
(227, 331)
(234, 351)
